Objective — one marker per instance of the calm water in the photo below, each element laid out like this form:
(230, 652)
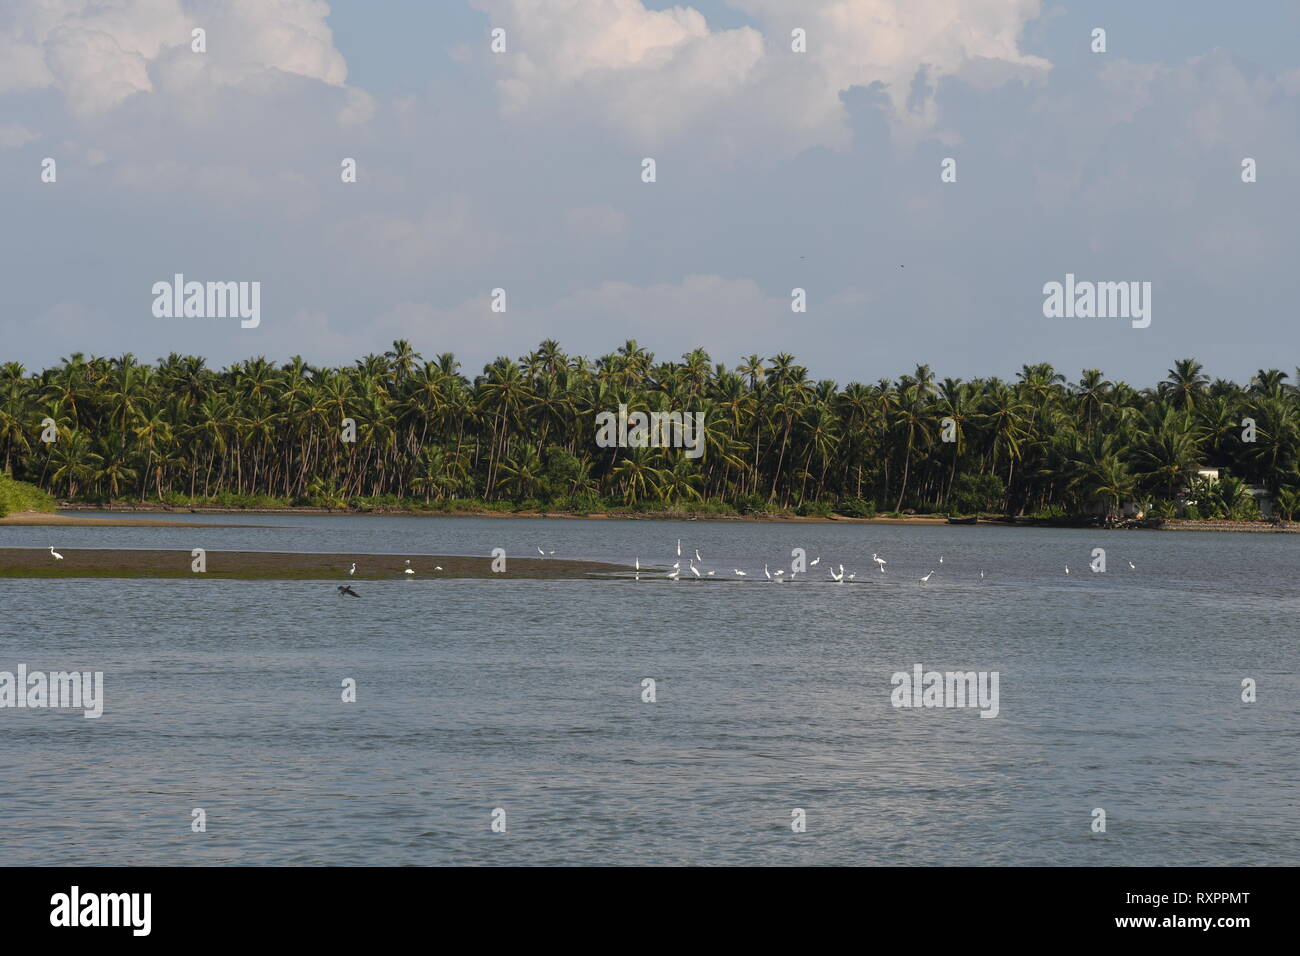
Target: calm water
(1117, 690)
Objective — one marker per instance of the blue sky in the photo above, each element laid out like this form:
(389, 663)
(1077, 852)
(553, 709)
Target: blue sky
(775, 171)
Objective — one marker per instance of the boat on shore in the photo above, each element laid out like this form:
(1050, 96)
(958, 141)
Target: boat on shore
(968, 520)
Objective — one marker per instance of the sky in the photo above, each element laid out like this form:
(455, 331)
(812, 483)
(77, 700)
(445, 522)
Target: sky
(775, 170)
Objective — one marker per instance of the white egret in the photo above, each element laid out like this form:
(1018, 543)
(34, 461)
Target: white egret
(941, 559)
(541, 552)
(57, 556)
(767, 572)
(853, 575)
(1132, 565)
(694, 570)
(353, 569)
(815, 561)
(926, 578)
(697, 555)
(740, 573)
(638, 564)
(879, 560)
(673, 575)
(679, 547)
(837, 577)
(1067, 570)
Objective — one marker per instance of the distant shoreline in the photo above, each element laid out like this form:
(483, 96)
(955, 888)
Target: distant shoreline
(51, 519)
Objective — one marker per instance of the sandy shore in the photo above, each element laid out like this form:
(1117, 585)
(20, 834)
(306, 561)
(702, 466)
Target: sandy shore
(272, 565)
(37, 518)
(1257, 527)
(40, 518)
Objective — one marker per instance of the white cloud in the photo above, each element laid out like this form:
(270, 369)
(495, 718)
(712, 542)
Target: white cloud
(96, 54)
(358, 108)
(92, 68)
(649, 72)
(99, 53)
(245, 37)
(654, 74)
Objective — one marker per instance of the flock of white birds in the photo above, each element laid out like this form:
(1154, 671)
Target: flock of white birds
(838, 576)
(836, 573)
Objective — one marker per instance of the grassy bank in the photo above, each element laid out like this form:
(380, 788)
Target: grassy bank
(20, 496)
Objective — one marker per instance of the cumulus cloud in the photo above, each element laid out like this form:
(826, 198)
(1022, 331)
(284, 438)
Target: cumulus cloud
(475, 179)
(99, 53)
(650, 72)
(96, 54)
(654, 74)
(246, 37)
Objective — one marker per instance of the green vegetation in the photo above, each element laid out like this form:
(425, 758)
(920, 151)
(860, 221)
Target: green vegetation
(521, 435)
(20, 496)
(857, 508)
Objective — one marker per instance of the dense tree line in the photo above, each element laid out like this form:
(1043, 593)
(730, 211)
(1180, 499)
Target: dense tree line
(523, 431)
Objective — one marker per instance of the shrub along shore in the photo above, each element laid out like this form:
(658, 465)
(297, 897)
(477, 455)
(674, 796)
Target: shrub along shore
(19, 496)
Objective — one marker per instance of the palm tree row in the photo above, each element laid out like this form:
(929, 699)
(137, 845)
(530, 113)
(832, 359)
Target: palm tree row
(395, 426)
